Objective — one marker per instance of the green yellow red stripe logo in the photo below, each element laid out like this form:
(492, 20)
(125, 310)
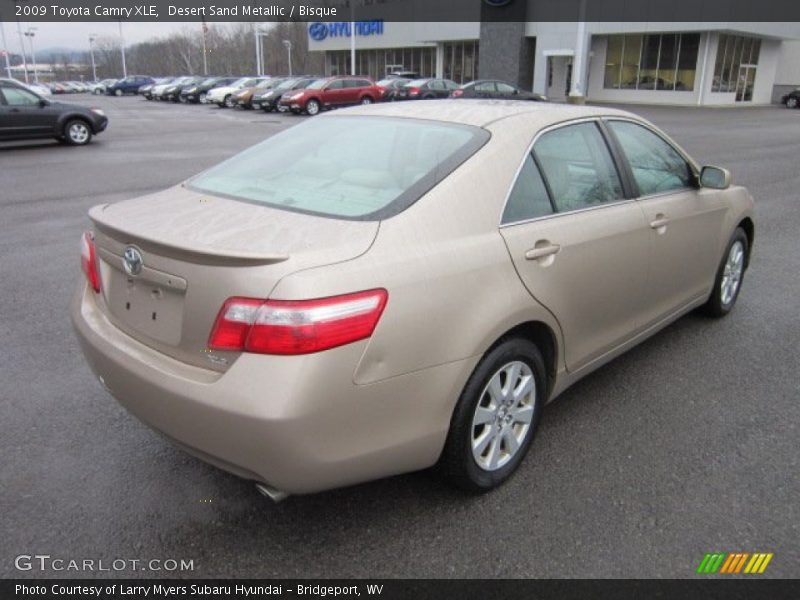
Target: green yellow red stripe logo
(734, 563)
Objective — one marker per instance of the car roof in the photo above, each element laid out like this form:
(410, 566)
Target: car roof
(481, 112)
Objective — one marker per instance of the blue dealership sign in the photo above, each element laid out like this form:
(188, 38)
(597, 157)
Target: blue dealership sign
(321, 31)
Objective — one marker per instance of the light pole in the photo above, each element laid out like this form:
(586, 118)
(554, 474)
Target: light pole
(30, 35)
(92, 38)
(288, 46)
(6, 52)
(122, 42)
(22, 46)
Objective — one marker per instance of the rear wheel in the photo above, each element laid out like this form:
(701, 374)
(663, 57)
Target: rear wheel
(77, 132)
(366, 100)
(118, 92)
(312, 107)
(228, 102)
(496, 416)
(729, 276)
(791, 102)
(202, 98)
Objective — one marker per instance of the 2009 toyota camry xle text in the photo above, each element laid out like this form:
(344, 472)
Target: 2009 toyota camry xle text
(391, 287)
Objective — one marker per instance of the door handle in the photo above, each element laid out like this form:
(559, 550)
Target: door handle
(659, 222)
(538, 252)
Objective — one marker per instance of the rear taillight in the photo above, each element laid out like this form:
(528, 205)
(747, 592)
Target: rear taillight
(296, 326)
(413, 91)
(89, 260)
(457, 93)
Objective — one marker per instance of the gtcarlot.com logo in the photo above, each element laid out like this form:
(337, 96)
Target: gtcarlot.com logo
(46, 562)
(734, 563)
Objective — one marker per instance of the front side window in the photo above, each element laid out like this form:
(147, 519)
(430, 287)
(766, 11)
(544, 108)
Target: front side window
(578, 167)
(528, 198)
(18, 97)
(657, 167)
(486, 86)
(504, 88)
(363, 168)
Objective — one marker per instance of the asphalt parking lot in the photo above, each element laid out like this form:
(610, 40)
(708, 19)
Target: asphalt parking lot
(685, 445)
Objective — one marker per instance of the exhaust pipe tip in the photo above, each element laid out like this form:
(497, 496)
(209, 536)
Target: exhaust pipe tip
(271, 493)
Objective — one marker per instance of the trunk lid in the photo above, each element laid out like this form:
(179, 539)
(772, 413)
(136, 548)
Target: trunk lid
(187, 252)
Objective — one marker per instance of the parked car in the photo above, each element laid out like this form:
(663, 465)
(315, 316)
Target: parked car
(157, 91)
(792, 99)
(404, 75)
(244, 97)
(332, 92)
(426, 89)
(489, 88)
(102, 86)
(25, 114)
(365, 301)
(197, 93)
(128, 85)
(147, 89)
(173, 91)
(390, 87)
(268, 99)
(40, 89)
(222, 96)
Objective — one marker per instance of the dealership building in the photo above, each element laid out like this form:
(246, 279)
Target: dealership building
(645, 62)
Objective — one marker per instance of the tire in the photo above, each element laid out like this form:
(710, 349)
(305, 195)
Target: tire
(312, 107)
(202, 98)
(483, 425)
(367, 100)
(728, 282)
(791, 102)
(118, 92)
(227, 102)
(77, 132)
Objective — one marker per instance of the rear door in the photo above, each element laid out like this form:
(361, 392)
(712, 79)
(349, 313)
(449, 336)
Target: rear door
(335, 93)
(685, 223)
(578, 244)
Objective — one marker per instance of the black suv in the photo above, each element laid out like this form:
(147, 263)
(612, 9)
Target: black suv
(268, 99)
(24, 114)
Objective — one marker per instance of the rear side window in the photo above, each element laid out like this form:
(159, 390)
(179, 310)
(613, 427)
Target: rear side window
(504, 88)
(486, 86)
(657, 167)
(357, 167)
(528, 198)
(578, 167)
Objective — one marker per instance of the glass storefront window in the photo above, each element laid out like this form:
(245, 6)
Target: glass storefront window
(735, 65)
(460, 61)
(378, 63)
(666, 62)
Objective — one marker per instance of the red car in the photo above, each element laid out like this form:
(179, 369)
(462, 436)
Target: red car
(331, 92)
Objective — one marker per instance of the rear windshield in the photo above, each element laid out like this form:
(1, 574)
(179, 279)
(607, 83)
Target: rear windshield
(350, 167)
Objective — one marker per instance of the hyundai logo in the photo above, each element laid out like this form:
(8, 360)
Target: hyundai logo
(132, 261)
(318, 31)
(497, 3)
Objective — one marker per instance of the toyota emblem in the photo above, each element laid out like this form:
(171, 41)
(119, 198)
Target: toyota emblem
(132, 261)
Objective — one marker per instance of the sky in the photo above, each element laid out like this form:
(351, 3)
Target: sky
(75, 35)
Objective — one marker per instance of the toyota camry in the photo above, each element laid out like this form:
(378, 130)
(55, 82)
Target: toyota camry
(392, 287)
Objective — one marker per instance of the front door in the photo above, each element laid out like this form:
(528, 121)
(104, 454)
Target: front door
(586, 261)
(22, 113)
(684, 222)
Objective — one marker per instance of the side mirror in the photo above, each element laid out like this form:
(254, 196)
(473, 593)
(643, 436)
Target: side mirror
(43, 103)
(715, 178)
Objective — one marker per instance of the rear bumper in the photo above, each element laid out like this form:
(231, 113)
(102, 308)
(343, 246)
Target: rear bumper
(297, 423)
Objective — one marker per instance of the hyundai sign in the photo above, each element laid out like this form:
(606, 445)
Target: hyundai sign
(321, 31)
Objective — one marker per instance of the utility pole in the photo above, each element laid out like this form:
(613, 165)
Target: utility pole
(205, 49)
(352, 37)
(92, 38)
(288, 45)
(22, 45)
(6, 51)
(30, 34)
(122, 42)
